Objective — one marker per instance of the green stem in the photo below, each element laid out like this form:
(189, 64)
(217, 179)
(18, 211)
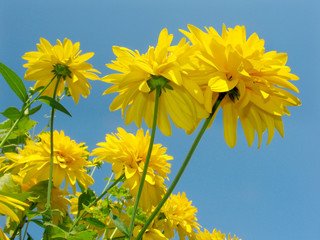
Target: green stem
(144, 173)
(48, 213)
(183, 166)
(23, 110)
(95, 201)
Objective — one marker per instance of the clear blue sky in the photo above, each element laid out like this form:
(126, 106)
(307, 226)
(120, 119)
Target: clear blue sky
(270, 193)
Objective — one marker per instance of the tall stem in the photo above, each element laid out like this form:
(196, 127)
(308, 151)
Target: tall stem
(144, 173)
(48, 213)
(183, 166)
(51, 148)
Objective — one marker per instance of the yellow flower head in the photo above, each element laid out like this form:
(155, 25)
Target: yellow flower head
(179, 215)
(252, 79)
(206, 235)
(127, 153)
(180, 97)
(6, 205)
(69, 161)
(64, 59)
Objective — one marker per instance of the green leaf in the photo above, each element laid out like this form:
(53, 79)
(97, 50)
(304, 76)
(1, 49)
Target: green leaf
(34, 110)
(57, 232)
(88, 235)
(94, 222)
(85, 199)
(24, 125)
(32, 214)
(53, 103)
(119, 224)
(12, 113)
(14, 81)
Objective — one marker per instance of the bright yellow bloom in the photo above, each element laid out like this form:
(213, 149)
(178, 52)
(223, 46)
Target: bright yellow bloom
(69, 162)
(6, 205)
(127, 153)
(180, 97)
(252, 79)
(206, 235)
(42, 63)
(179, 216)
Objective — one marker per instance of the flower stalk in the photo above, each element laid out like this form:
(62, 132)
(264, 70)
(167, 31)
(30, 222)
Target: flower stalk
(183, 166)
(144, 173)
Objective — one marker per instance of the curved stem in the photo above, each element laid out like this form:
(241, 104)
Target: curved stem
(144, 173)
(27, 104)
(183, 166)
(95, 201)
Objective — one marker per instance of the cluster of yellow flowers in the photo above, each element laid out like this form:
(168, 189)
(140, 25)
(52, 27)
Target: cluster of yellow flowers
(193, 76)
(252, 79)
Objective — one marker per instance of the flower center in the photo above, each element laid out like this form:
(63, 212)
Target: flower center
(158, 82)
(62, 160)
(61, 71)
(234, 94)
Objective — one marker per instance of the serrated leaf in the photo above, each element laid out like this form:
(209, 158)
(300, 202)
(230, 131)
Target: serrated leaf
(53, 103)
(94, 222)
(14, 81)
(12, 113)
(119, 224)
(34, 110)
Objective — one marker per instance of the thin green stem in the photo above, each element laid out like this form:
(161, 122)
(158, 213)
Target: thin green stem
(144, 173)
(183, 166)
(22, 112)
(26, 230)
(48, 213)
(95, 201)
(51, 149)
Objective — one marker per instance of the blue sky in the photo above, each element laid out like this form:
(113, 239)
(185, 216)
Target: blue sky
(266, 193)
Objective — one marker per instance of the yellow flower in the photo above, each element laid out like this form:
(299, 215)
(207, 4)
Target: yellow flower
(6, 205)
(180, 97)
(206, 235)
(179, 215)
(43, 64)
(128, 153)
(252, 79)
(70, 161)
